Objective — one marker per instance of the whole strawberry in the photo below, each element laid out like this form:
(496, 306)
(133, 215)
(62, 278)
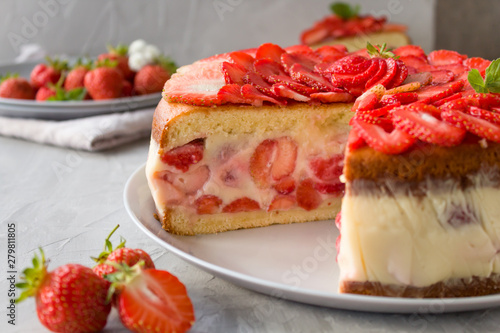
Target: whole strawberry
(12, 86)
(104, 82)
(151, 300)
(74, 78)
(119, 255)
(151, 78)
(45, 92)
(119, 54)
(70, 299)
(49, 72)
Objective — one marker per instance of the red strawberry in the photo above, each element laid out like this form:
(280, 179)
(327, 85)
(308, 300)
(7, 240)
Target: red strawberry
(308, 60)
(15, 87)
(316, 34)
(414, 61)
(376, 116)
(305, 75)
(442, 76)
(285, 186)
(256, 98)
(299, 49)
(392, 70)
(269, 51)
(327, 169)
(352, 64)
(119, 255)
(184, 156)
(233, 73)
(354, 140)
(445, 57)
(400, 76)
(231, 93)
(208, 204)
(196, 87)
(492, 117)
(44, 93)
(477, 126)
(369, 99)
(423, 78)
(307, 196)
(258, 82)
(282, 202)
(352, 80)
(151, 301)
(261, 163)
(150, 79)
(418, 121)
(244, 204)
(377, 138)
(242, 59)
(401, 98)
(447, 99)
(104, 83)
(289, 82)
(331, 53)
(282, 90)
(74, 78)
(267, 68)
(332, 97)
(284, 159)
(43, 74)
(334, 188)
(382, 70)
(431, 94)
(69, 299)
(409, 50)
(478, 63)
(119, 55)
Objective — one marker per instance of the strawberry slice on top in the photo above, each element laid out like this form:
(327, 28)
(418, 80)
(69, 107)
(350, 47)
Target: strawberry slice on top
(269, 51)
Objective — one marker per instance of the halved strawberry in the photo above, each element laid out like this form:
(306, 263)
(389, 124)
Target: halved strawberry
(308, 60)
(233, 73)
(285, 185)
(416, 62)
(382, 70)
(327, 169)
(477, 126)
(286, 80)
(401, 98)
(281, 90)
(307, 196)
(409, 50)
(417, 121)
(256, 98)
(447, 99)
(378, 139)
(231, 93)
(369, 99)
(400, 76)
(457, 69)
(305, 75)
(282, 202)
(491, 116)
(423, 78)
(261, 163)
(431, 94)
(196, 87)
(258, 82)
(315, 34)
(331, 53)
(409, 87)
(154, 301)
(335, 188)
(242, 59)
(352, 64)
(267, 67)
(354, 140)
(298, 49)
(208, 204)
(184, 156)
(445, 57)
(269, 51)
(332, 97)
(478, 63)
(373, 116)
(350, 80)
(244, 204)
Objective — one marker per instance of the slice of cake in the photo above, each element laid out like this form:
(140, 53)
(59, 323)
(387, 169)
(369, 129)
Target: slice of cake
(256, 137)
(345, 26)
(419, 217)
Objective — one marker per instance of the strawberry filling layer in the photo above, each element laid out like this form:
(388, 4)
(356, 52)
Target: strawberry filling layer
(217, 175)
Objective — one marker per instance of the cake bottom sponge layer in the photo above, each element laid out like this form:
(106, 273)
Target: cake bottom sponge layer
(439, 237)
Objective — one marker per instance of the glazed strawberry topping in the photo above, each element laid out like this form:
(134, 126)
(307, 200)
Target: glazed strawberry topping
(435, 104)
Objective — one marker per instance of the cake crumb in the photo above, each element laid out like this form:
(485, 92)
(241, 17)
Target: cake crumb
(483, 143)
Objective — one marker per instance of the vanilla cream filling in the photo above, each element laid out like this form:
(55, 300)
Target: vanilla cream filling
(400, 239)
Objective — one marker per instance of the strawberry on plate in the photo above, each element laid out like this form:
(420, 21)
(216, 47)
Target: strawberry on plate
(75, 77)
(151, 300)
(119, 55)
(151, 79)
(69, 299)
(49, 72)
(13, 86)
(119, 254)
(104, 82)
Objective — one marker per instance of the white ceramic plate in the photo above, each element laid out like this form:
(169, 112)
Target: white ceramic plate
(294, 262)
(67, 109)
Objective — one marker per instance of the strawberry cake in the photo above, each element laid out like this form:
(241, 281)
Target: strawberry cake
(345, 26)
(277, 135)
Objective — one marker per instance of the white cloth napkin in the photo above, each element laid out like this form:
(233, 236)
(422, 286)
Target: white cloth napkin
(91, 133)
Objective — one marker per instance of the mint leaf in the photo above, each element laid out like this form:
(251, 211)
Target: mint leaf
(476, 81)
(344, 10)
(493, 72)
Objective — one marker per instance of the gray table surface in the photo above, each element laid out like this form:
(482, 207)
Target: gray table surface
(67, 201)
